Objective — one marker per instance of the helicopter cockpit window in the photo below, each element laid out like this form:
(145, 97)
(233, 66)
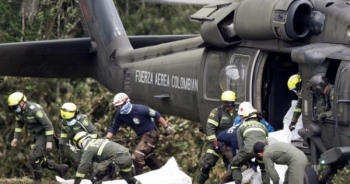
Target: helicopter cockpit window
(233, 76)
(343, 89)
(214, 63)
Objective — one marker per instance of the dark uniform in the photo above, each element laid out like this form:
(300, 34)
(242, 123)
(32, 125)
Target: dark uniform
(140, 120)
(227, 146)
(41, 127)
(249, 133)
(214, 127)
(101, 153)
(324, 104)
(83, 124)
(285, 154)
(297, 109)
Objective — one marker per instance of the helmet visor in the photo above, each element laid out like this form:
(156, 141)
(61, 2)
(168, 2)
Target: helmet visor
(13, 107)
(228, 105)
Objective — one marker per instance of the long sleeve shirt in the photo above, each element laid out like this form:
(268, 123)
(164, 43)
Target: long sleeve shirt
(229, 138)
(217, 123)
(35, 120)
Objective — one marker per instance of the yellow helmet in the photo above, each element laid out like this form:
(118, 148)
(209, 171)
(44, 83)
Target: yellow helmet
(68, 110)
(79, 139)
(293, 81)
(250, 113)
(228, 96)
(15, 98)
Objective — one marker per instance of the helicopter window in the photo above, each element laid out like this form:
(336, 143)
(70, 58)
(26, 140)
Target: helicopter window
(214, 63)
(233, 76)
(343, 89)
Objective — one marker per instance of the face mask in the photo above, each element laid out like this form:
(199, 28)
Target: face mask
(71, 122)
(126, 108)
(18, 110)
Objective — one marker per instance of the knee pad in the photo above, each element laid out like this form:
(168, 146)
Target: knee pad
(206, 168)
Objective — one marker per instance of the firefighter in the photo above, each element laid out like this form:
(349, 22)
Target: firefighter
(220, 118)
(250, 132)
(283, 154)
(74, 122)
(294, 84)
(33, 116)
(248, 105)
(140, 119)
(107, 158)
(325, 96)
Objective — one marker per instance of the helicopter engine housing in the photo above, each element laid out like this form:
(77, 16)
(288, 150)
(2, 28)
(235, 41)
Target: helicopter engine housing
(270, 19)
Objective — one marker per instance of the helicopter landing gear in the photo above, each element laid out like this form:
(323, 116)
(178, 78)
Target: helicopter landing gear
(310, 176)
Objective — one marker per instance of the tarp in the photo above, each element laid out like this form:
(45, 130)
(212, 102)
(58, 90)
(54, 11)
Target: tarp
(170, 173)
(288, 118)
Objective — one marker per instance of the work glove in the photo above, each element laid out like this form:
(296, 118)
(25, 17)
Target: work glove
(169, 129)
(49, 145)
(216, 145)
(292, 126)
(61, 147)
(14, 142)
(321, 117)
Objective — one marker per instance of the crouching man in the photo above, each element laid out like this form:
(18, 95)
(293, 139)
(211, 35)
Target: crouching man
(283, 154)
(107, 158)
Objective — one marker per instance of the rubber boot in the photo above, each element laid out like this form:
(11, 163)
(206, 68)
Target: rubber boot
(61, 169)
(153, 162)
(37, 176)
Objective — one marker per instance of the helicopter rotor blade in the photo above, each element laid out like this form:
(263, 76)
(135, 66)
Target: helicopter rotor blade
(198, 2)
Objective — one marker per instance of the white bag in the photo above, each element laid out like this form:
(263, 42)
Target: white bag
(288, 118)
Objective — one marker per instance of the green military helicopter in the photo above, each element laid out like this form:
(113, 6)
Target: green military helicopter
(251, 47)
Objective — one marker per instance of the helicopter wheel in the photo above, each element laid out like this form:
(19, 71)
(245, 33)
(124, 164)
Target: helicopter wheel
(310, 176)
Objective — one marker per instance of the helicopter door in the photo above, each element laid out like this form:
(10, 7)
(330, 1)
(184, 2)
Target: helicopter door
(341, 102)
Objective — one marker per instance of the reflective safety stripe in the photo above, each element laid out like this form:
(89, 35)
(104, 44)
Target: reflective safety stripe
(211, 137)
(297, 110)
(253, 129)
(212, 152)
(32, 146)
(94, 136)
(234, 167)
(79, 175)
(101, 147)
(153, 146)
(215, 123)
(30, 117)
(18, 129)
(63, 135)
(17, 118)
(50, 132)
(88, 145)
(139, 152)
(126, 170)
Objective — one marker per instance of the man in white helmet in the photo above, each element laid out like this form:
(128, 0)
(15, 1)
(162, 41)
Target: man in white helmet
(139, 118)
(246, 106)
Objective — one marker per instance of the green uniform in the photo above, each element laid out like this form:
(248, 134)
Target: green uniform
(41, 127)
(103, 154)
(297, 109)
(83, 124)
(285, 154)
(324, 104)
(249, 133)
(219, 119)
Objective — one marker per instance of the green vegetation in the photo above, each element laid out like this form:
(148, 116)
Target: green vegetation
(57, 19)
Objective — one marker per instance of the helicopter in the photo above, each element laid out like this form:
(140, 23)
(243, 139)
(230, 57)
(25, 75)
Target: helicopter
(250, 47)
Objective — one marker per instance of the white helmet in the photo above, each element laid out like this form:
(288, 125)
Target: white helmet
(243, 107)
(120, 99)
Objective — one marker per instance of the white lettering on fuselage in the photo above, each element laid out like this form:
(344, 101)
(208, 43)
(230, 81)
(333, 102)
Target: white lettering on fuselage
(166, 80)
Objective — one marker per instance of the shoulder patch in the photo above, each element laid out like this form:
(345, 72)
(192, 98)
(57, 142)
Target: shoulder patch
(31, 107)
(152, 112)
(85, 122)
(211, 115)
(39, 114)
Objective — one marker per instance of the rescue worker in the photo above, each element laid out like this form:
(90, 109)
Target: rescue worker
(248, 105)
(139, 118)
(220, 118)
(294, 84)
(250, 132)
(74, 122)
(325, 96)
(33, 116)
(107, 158)
(283, 154)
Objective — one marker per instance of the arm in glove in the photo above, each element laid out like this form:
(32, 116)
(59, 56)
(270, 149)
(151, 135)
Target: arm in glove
(292, 126)
(169, 129)
(49, 145)
(14, 142)
(77, 180)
